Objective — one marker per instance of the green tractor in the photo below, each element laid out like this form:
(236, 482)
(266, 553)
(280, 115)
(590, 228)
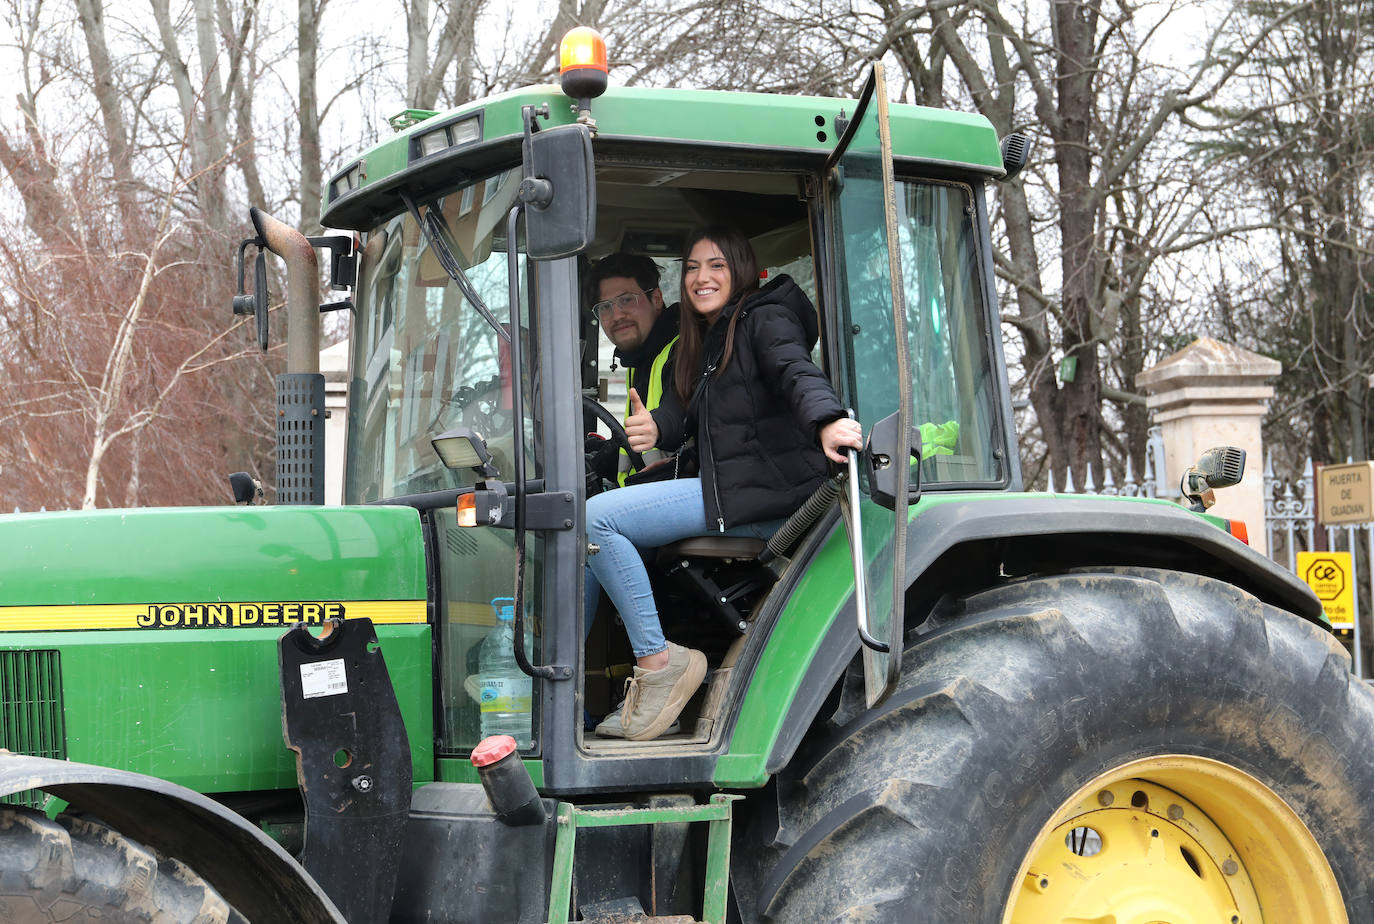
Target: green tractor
(933, 697)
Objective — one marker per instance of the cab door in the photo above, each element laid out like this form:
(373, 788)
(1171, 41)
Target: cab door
(866, 290)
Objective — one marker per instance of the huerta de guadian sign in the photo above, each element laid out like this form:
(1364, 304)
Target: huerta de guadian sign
(1345, 493)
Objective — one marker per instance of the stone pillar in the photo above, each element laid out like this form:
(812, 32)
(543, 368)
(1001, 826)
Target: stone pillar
(334, 365)
(1214, 394)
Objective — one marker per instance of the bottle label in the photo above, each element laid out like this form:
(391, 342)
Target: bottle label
(506, 694)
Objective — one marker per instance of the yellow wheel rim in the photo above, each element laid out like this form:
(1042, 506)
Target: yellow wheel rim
(1175, 840)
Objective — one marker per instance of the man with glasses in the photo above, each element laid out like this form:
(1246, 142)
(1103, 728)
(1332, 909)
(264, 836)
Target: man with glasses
(623, 289)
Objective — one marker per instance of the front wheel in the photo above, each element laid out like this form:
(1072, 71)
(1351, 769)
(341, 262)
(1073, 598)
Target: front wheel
(75, 869)
(1129, 746)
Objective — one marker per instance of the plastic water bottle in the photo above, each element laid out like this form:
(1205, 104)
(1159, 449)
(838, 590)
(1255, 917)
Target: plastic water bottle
(506, 701)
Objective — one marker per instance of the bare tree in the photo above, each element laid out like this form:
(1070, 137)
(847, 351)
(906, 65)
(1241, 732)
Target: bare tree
(105, 313)
(243, 76)
(1085, 80)
(97, 352)
(455, 23)
(101, 399)
(307, 69)
(1297, 134)
(204, 108)
(92, 15)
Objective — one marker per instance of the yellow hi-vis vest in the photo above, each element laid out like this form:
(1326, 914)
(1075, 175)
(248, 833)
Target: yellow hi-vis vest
(651, 401)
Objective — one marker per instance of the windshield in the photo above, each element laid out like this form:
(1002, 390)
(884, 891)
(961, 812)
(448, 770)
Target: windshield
(424, 361)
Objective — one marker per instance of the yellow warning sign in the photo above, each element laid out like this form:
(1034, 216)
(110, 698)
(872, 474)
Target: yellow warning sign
(1331, 575)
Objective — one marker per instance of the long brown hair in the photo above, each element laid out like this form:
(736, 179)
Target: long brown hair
(744, 281)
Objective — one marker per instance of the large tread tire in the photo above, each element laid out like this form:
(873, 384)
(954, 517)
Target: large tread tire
(924, 809)
(76, 869)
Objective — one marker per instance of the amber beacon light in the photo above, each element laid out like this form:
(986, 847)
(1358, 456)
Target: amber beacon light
(582, 67)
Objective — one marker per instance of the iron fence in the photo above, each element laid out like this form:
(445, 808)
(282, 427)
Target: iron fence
(1152, 482)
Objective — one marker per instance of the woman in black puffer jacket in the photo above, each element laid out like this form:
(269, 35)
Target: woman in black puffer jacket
(764, 418)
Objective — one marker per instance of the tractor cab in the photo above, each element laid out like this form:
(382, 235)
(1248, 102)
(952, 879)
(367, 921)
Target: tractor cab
(510, 203)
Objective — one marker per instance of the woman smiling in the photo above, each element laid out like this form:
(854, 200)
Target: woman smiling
(765, 420)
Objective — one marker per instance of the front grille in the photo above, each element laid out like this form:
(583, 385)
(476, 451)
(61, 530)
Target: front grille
(31, 710)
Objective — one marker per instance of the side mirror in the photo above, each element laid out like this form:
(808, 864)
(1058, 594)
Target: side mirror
(559, 191)
(255, 304)
(880, 462)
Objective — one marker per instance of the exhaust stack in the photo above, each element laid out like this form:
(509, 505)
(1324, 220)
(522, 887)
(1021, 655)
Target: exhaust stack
(300, 390)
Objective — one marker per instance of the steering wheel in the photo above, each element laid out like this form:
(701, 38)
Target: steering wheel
(618, 435)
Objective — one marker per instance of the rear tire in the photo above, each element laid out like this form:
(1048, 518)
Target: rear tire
(1177, 700)
(75, 869)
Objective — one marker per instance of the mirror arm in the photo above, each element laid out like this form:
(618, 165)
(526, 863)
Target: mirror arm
(343, 262)
(536, 192)
(529, 117)
(238, 267)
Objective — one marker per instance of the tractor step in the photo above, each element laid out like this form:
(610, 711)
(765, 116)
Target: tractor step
(629, 911)
(571, 817)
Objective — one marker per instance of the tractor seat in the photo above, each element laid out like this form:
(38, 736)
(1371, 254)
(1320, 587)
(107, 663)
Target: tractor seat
(716, 547)
(723, 570)
(718, 571)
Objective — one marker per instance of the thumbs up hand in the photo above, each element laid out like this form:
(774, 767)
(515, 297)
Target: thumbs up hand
(640, 426)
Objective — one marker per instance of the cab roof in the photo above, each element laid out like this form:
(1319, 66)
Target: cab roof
(483, 136)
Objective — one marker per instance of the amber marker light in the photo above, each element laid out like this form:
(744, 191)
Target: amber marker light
(467, 510)
(582, 67)
(1237, 529)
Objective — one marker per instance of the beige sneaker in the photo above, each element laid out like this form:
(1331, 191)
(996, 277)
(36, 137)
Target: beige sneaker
(653, 699)
(610, 726)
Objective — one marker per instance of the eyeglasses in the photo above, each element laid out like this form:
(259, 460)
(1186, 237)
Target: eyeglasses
(613, 304)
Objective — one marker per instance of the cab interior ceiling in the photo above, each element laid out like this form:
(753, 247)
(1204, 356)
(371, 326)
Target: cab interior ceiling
(665, 205)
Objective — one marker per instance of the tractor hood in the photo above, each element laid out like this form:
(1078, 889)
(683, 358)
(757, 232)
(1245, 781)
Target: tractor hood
(146, 640)
(195, 555)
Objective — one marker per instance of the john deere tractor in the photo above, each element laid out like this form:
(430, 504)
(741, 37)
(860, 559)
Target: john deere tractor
(933, 696)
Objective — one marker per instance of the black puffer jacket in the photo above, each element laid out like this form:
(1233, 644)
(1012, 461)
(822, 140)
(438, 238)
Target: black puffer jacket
(757, 420)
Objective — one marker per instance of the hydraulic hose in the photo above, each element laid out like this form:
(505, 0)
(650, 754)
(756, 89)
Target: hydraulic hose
(806, 516)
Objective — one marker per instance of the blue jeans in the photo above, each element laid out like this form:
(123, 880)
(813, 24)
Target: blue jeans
(638, 517)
